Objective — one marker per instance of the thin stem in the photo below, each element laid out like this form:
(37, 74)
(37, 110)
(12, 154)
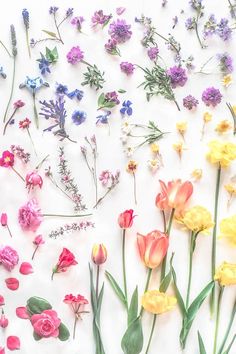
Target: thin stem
(36, 118)
(12, 88)
(228, 329)
(97, 281)
(8, 121)
(74, 327)
(203, 66)
(177, 105)
(164, 220)
(95, 176)
(197, 33)
(27, 42)
(31, 140)
(6, 49)
(56, 185)
(151, 333)
(52, 276)
(192, 246)
(67, 216)
(213, 252)
(167, 40)
(135, 192)
(163, 266)
(34, 252)
(230, 344)
(124, 268)
(9, 231)
(57, 28)
(41, 162)
(146, 287)
(18, 174)
(217, 318)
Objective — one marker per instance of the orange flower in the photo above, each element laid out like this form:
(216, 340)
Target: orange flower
(99, 254)
(174, 195)
(152, 248)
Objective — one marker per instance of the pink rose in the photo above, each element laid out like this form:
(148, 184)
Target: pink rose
(30, 216)
(46, 324)
(8, 257)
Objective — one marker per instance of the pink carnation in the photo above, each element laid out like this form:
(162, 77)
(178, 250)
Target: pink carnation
(30, 216)
(8, 257)
(46, 324)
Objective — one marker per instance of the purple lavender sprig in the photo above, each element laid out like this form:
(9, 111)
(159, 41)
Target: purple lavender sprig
(25, 15)
(69, 228)
(19, 152)
(192, 23)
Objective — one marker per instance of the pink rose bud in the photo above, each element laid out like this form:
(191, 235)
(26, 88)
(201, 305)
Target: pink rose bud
(39, 240)
(13, 343)
(12, 283)
(3, 321)
(33, 179)
(26, 268)
(2, 302)
(4, 219)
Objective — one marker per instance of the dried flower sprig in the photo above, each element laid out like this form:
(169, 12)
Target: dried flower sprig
(20, 153)
(93, 77)
(158, 82)
(18, 104)
(111, 181)
(192, 23)
(232, 110)
(69, 228)
(25, 15)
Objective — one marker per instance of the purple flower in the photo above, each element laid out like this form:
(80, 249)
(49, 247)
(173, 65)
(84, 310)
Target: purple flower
(126, 108)
(120, 31)
(75, 55)
(79, 117)
(190, 102)
(79, 94)
(44, 65)
(210, 26)
(120, 10)
(223, 30)
(178, 76)
(111, 47)
(103, 118)
(53, 10)
(153, 53)
(69, 12)
(99, 18)
(195, 4)
(127, 68)
(61, 89)
(211, 96)
(77, 21)
(225, 63)
(190, 23)
(8, 257)
(112, 97)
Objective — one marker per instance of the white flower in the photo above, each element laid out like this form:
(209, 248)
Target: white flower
(154, 164)
(126, 127)
(129, 151)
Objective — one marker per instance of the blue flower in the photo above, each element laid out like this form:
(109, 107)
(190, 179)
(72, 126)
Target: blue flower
(79, 117)
(103, 118)
(43, 65)
(33, 85)
(2, 73)
(61, 89)
(79, 94)
(25, 15)
(126, 109)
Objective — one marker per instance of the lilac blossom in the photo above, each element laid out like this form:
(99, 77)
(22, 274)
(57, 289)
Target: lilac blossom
(75, 55)
(103, 118)
(99, 18)
(178, 76)
(120, 31)
(223, 30)
(211, 96)
(77, 22)
(153, 53)
(111, 47)
(225, 63)
(190, 102)
(127, 68)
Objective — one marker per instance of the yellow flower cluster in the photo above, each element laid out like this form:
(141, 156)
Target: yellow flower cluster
(221, 152)
(228, 229)
(197, 219)
(226, 274)
(223, 126)
(157, 302)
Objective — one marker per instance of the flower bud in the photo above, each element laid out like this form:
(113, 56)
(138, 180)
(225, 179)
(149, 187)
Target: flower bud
(4, 219)
(99, 254)
(3, 321)
(125, 219)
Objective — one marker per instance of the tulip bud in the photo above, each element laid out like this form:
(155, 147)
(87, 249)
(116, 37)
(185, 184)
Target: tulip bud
(99, 254)
(125, 219)
(4, 219)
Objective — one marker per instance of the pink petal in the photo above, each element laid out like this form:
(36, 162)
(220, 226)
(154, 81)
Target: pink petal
(13, 343)
(12, 283)
(26, 268)
(21, 312)
(2, 350)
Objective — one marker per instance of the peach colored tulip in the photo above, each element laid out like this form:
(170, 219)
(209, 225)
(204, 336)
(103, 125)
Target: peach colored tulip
(174, 195)
(99, 254)
(125, 219)
(152, 248)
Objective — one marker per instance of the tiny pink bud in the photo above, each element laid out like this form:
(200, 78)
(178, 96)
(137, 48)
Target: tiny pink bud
(13, 343)
(26, 268)
(12, 283)
(4, 219)
(3, 321)
(39, 240)
(2, 302)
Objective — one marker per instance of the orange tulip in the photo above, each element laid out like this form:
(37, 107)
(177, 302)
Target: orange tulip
(152, 248)
(174, 195)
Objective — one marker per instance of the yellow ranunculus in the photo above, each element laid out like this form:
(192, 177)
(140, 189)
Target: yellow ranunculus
(221, 152)
(226, 274)
(157, 302)
(228, 229)
(197, 219)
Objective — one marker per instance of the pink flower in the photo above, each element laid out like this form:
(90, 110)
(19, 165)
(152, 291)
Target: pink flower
(13, 343)
(3, 320)
(38, 240)
(104, 177)
(23, 124)
(75, 55)
(8, 257)
(18, 104)
(7, 159)
(2, 350)
(33, 179)
(72, 299)
(46, 324)
(29, 216)
(125, 219)
(66, 259)
(4, 219)
(2, 301)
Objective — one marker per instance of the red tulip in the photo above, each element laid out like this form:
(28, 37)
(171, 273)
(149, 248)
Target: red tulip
(152, 248)
(125, 219)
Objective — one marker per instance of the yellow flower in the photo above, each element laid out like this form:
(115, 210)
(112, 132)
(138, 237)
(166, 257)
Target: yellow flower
(207, 117)
(226, 274)
(221, 152)
(197, 219)
(155, 148)
(179, 147)
(181, 126)
(132, 166)
(223, 126)
(227, 80)
(156, 302)
(228, 229)
(197, 174)
(231, 189)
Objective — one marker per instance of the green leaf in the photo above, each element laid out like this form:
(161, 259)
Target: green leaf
(132, 341)
(36, 336)
(37, 305)
(99, 304)
(64, 333)
(201, 344)
(230, 345)
(177, 292)
(166, 281)
(101, 100)
(51, 55)
(51, 34)
(116, 288)
(109, 104)
(133, 308)
(121, 91)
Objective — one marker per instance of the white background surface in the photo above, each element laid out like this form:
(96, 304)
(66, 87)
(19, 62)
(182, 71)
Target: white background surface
(111, 156)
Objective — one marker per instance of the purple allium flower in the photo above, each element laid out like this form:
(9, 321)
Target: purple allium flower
(190, 102)
(79, 117)
(225, 63)
(112, 97)
(75, 55)
(53, 10)
(103, 118)
(210, 26)
(61, 89)
(127, 68)
(99, 18)
(77, 21)
(79, 94)
(178, 76)
(126, 108)
(190, 23)
(111, 47)
(153, 53)
(223, 30)
(120, 31)
(211, 96)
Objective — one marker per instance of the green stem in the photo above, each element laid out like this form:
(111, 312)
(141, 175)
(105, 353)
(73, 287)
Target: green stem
(8, 121)
(18, 174)
(31, 140)
(75, 323)
(135, 191)
(230, 344)
(67, 216)
(12, 88)
(146, 286)
(151, 333)
(163, 266)
(228, 329)
(217, 318)
(27, 42)
(192, 246)
(9, 231)
(124, 268)
(213, 252)
(177, 105)
(36, 117)
(97, 281)
(34, 252)
(6, 49)
(164, 220)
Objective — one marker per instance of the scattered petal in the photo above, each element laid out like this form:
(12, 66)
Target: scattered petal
(13, 343)
(12, 283)
(21, 312)
(26, 268)
(120, 10)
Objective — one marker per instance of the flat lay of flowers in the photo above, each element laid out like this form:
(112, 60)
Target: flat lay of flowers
(118, 177)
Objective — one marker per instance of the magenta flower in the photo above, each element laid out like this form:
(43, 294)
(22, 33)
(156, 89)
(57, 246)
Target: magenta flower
(99, 18)
(30, 216)
(127, 68)
(8, 257)
(153, 53)
(178, 76)
(120, 31)
(33, 179)
(75, 55)
(111, 47)
(211, 96)
(7, 159)
(46, 324)
(18, 104)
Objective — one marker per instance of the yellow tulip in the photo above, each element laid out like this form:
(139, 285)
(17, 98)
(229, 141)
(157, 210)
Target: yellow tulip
(226, 274)
(222, 153)
(157, 302)
(197, 219)
(228, 229)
